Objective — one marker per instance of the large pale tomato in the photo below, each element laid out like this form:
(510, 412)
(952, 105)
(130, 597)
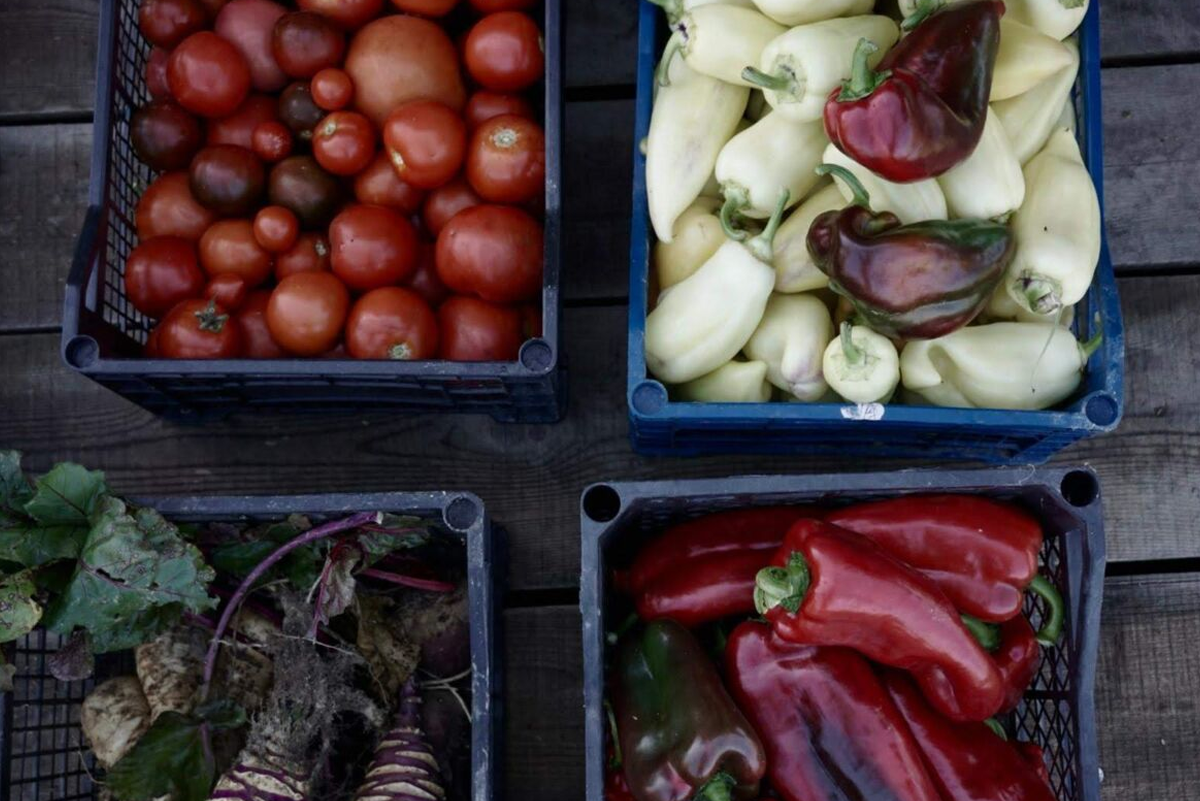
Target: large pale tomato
(392, 323)
(494, 252)
(372, 246)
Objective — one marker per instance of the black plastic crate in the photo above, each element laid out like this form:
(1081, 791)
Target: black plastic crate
(1058, 711)
(103, 334)
(42, 753)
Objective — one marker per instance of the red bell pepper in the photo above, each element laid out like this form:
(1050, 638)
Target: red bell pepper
(1035, 756)
(830, 586)
(703, 570)
(1017, 658)
(827, 724)
(982, 553)
(921, 111)
(967, 760)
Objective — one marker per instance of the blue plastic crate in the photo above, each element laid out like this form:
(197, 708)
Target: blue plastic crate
(661, 426)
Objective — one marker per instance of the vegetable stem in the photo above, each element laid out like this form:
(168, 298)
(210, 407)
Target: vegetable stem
(854, 354)
(762, 246)
(775, 83)
(1052, 627)
(861, 196)
(432, 585)
(985, 634)
(863, 79)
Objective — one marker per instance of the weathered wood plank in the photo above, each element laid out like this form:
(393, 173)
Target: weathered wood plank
(1146, 694)
(530, 476)
(47, 57)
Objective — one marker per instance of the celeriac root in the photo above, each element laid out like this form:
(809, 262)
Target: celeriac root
(113, 717)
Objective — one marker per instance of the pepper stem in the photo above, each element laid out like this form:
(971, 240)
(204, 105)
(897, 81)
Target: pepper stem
(863, 79)
(1041, 294)
(925, 8)
(996, 728)
(763, 80)
(718, 788)
(762, 246)
(861, 196)
(617, 758)
(735, 200)
(782, 586)
(1092, 345)
(662, 75)
(987, 634)
(1052, 627)
(854, 354)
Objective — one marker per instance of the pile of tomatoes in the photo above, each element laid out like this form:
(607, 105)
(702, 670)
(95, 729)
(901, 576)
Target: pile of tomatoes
(339, 179)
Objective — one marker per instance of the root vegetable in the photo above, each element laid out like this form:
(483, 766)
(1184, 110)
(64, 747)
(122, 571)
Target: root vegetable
(169, 667)
(263, 778)
(404, 768)
(113, 717)
(440, 624)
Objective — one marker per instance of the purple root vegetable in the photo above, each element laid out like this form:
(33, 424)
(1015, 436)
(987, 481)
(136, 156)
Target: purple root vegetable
(404, 767)
(263, 777)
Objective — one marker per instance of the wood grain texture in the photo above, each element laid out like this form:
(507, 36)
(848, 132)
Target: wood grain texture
(47, 57)
(530, 476)
(1147, 694)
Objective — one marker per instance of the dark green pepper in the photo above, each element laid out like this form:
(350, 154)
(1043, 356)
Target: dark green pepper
(917, 281)
(682, 738)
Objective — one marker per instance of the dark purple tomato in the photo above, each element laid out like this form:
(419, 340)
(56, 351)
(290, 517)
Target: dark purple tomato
(304, 43)
(164, 136)
(227, 179)
(299, 111)
(299, 183)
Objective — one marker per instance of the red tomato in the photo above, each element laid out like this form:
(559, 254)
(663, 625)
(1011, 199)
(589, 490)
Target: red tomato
(304, 43)
(227, 179)
(332, 89)
(348, 14)
(156, 74)
(160, 272)
(198, 329)
(167, 208)
(271, 141)
(444, 202)
(372, 246)
(228, 290)
(151, 350)
(392, 323)
(492, 6)
(307, 311)
(248, 25)
(310, 254)
(505, 52)
(506, 162)
(229, 247)
(207, 75)
(299, 111)
(494, 252)
(426, 8)
(484, 105)
(344, 142)
(276, 229)
(426, 142)
(399, 58)
(473, 330)
(252, 320)
(425, 281)
(213, 7)
(378, 185)
(238, 127)
(166, 23)
(164, 136)
(531, 321)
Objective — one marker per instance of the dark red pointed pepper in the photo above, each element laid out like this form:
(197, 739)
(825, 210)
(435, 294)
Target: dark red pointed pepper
(982, 553)
(681, 736)
(703, 570)
(921, 111)
(966, 760)
(830, 586)
(1035, 755)
(1017, 658)
(916, 281)
(827, 724)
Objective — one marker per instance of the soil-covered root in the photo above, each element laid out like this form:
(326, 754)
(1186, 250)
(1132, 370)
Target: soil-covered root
(113, 717)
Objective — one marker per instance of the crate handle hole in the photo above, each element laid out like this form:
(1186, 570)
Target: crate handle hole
(537, 356)
(1079, 488)
(461, 513)
(649, 397)
(601, 503)
(82, 352)
(1102, 410)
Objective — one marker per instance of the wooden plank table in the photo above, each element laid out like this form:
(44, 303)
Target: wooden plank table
(530, 476)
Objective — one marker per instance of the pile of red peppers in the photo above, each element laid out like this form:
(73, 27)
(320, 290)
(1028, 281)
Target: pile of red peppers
(861, 652)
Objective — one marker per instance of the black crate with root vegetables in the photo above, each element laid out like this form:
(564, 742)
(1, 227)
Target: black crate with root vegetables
(288, 661)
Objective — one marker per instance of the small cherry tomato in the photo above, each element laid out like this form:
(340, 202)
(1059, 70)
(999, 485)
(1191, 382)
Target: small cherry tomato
(229, 247)
(344, 142)
(227, 179)
(505, 52)
(167, 208)
(307, 311)
(494, 252)
(166, 23)
(207, 75)
(492, 6)
(298, 110)
(238, 127)
(304, 43)
(276, 229)
(272, 141)
(372, 246)
(164, 136)
(444, 202)
(473, 330)
(347, 14)
(378, 185)
(300, 184)
(425, 281)
(426, 8)
(160, 272)
(392, 323)
(310, 254)
(484, 105)
(199, 329)
(506, 161)
(251, 318)
(332, 89)
(156, 74)
(426, 142)
(228, 290)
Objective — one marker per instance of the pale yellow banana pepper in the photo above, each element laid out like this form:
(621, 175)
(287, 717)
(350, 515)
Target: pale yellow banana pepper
(698, 234)
(1002, 308)
(1026, 58)
(720, 40)
(791, 339)
(990, 182)
(861, 366)
(1029, 118)
(802, 12)
(1057, 18)
(795, 270)
(911, 202)
(776, 153)
(733, 382)
(677, 8)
